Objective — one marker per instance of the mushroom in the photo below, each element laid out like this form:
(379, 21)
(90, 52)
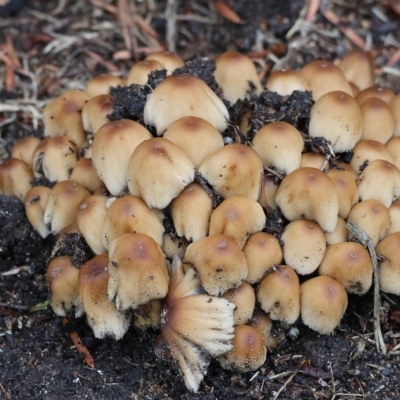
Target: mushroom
(394, 105)
(393, 148)
(139, 73)
(35, 204)
(23, 149)
(101, 84)
(148, 315)
(368, 151)
(15, 178)
(170, 61)
(95, 111)
(394, 212)
(339, 234)
(313, 160)
(323, 303)
(181, 96)
(286, 81)
(102, 315)
(174, 246)
(85, 174)
(379, 92)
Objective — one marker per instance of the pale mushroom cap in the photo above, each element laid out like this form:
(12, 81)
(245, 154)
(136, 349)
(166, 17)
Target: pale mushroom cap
(350, 264)
(303, 246)
(279, 144)
(394, 105)
(171, 61)
(324, 77)
(219, 262)
(336, 116)
(249, 350)
(237, 217)
(23, 149)
(102, 315)
(62, 278)
(15, 178)
(339, 235)
(269, 187)
(389, 267)
(394, 212)
(181, 96)
(372, 217)
(279, 294)
(236, 74)
(309, 193)
(234, 170)
(35, 203)
(85, 174)
(138, 271)
(101, 84)
(262, 251)
(323, 304)
(379, 92)
(174, 246)
(380, 181)
(312, 160)
(369, 150)
(139, 73)
(95, 111)
(194, 136)
(285, 82)
(158, 171)
(244, 299)
(393, 147)
(112, 149)
(191, 211)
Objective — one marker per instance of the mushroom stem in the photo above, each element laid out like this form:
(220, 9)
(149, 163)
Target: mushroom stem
(366, 241)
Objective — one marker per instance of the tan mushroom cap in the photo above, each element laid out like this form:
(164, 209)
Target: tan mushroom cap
(369, 150)
(23, 149)
(323, 304)
(394, 212)
(358, 68)
(139, 73)
(372, 217)
(196, 137)
(174, 246)
(102, 315)
(138, 271)
(324, 77)
(191, 211)
(350, 264)
(85, 174)
(380, 181)
(269, 187)
(90, 216)
(389, 267)
(35, 204)
(62, 116)
(158, 171)
(336, 116)
(393, 147)
(95, 111)
(237, 76)
(394, 105)
(263, 324)
(303, 246)
(286, 81)
(112, 149)
(262, 251)
(249, 350)
(339, 235)
(171, 61)
(379, 92)
(279, 144)
(234, 170)
(237, 217)
(101, 84)
(346, 187)
(312, 160)
(195, 326)
(130, 214)
(55, 158)
(378, 121)
(219, 262)
(15, 178)
(309, 193)
(62, 279)
(279, 294)
(181, 96)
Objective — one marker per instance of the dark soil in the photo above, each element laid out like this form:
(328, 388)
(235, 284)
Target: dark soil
(37, 357)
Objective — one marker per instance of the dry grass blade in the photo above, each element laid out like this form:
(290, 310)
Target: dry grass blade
(126, 12)
(228, 13)
(285, 384)
(312, 10)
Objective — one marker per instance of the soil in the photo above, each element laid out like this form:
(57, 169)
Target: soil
(65, 45)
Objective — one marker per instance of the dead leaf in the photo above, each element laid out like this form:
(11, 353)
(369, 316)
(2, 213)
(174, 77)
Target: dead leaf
(228, 13)
(82, 349)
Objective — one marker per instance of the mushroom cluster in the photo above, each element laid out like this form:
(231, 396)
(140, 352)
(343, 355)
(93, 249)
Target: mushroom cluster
(177, 206)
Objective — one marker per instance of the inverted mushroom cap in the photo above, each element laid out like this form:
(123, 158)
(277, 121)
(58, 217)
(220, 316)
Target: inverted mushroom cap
(138, 272)
(369, 150)
(158, 171)
(15, 178)
(139, 73)
(23, 149)
(309, 193)
(102, 315)
(35, 204)
(279, 144)
(262, 251)
(237, 217)
(236, 74)
(219, 262)
(94, 112)
(324, 77)
(196, 137)
(323, 303)
(62, 116)
(112, 149)
(336, 117)
(279, 294)
(249, 350)
(181, 96)
(130, 214)
(62, 278)
(195, 326)
(170, 61)
(191, 211)
(234, 170)
(286, 81)
(101, 84)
